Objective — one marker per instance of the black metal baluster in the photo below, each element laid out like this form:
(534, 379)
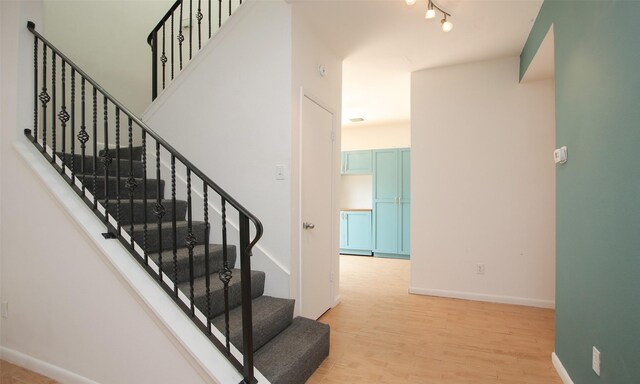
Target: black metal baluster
(73, 126)
(154, 65)
(180, 38)
(173, 224)
(199, 17)
(229, 7)
(207, 267)
(190, 29)
(190, 241)
(35, 88)
(53, 106)
(172, 49)
(145, 229)
(225, 274)
(118, 204)
(64, 117)
(106, 161)
(159, 209)
(44, 98)
(163, 58)
(131, 183)
(209, 17)
(219, 13)
(83, 137)
(95, 148)
(245, 283)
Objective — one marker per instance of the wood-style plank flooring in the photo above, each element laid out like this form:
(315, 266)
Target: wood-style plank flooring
(12, 374)
(382, 334)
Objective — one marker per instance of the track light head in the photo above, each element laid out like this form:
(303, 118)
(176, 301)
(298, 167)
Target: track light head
(446, 24)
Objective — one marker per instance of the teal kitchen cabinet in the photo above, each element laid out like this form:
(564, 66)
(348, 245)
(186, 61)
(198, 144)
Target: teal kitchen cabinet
(391, 202)
(356, 162)
(355, 232)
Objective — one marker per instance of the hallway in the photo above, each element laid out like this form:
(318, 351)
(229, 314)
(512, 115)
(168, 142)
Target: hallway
(381, 334)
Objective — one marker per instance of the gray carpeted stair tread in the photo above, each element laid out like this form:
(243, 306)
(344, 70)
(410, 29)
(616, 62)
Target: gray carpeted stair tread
(182, 256)
(271, 315)
(138, 210)
(182, 230)
(217, 291)
(125, 165)
(293, 355)
(124, 152)
(152, 190)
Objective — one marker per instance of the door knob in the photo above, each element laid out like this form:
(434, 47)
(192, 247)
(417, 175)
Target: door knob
(306, 225)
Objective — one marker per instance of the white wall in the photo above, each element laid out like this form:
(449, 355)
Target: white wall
(356, 192)
(309, 51)
(229, 112)
(362, 136)
(68, 307)
(483, 184)
(108, 39)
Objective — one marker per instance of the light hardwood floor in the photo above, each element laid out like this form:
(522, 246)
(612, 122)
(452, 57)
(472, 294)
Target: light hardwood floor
(12, 374)
(382, 334)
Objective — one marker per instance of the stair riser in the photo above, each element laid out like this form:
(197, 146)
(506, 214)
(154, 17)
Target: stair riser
(125, 153)
(182, 265)
(265, 328)
(125, 166)
(151, 192)
(138, 211)
(217, 296)
(153, 240)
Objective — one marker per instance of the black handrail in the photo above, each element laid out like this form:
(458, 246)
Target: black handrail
(100, 183)
(158, 40)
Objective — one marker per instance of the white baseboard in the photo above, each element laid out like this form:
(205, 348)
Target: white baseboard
(557, 364)
(42, 367)
(484, 297)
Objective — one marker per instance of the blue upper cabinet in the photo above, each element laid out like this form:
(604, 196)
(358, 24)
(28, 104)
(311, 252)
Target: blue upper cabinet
(356, 163)
(391, 202)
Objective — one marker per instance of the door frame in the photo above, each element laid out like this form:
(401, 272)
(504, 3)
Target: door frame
(335, 246)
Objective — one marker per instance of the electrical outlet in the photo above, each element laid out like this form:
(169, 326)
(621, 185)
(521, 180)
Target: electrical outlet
(4, 309)
(480, 269)
(595, 361)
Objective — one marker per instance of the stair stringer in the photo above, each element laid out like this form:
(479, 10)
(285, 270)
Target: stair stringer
(209, 363)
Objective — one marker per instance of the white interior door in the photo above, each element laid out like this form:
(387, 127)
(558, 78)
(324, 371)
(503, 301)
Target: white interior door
(316, 209)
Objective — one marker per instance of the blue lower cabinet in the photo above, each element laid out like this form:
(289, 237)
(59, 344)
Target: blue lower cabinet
(355, 232)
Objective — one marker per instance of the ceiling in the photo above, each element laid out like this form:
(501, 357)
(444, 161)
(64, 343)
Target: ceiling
(383, 41)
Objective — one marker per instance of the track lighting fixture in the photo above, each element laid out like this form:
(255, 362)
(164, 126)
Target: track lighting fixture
(431, 14)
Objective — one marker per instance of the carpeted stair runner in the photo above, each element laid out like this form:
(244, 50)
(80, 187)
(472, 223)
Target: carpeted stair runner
(287, 350)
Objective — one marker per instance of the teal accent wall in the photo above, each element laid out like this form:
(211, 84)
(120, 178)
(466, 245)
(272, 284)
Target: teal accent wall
(597, 71)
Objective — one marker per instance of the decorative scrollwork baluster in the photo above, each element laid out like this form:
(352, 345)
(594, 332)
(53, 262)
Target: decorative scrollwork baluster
(73, 125)
(107, 158)
(207, 267)
(53, 106)
(64, 116)
(190, 241)
(163, 58)
(199, 17)
(225, 273)
(180, 38)
(95, 148)
(118, 203)
(145, 230)
(159, 210)
(35, 88)
(174, 237)
(83, 136)
(131, 184)
(44, 98)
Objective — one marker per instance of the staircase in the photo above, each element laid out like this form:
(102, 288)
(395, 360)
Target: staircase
(177, 232)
